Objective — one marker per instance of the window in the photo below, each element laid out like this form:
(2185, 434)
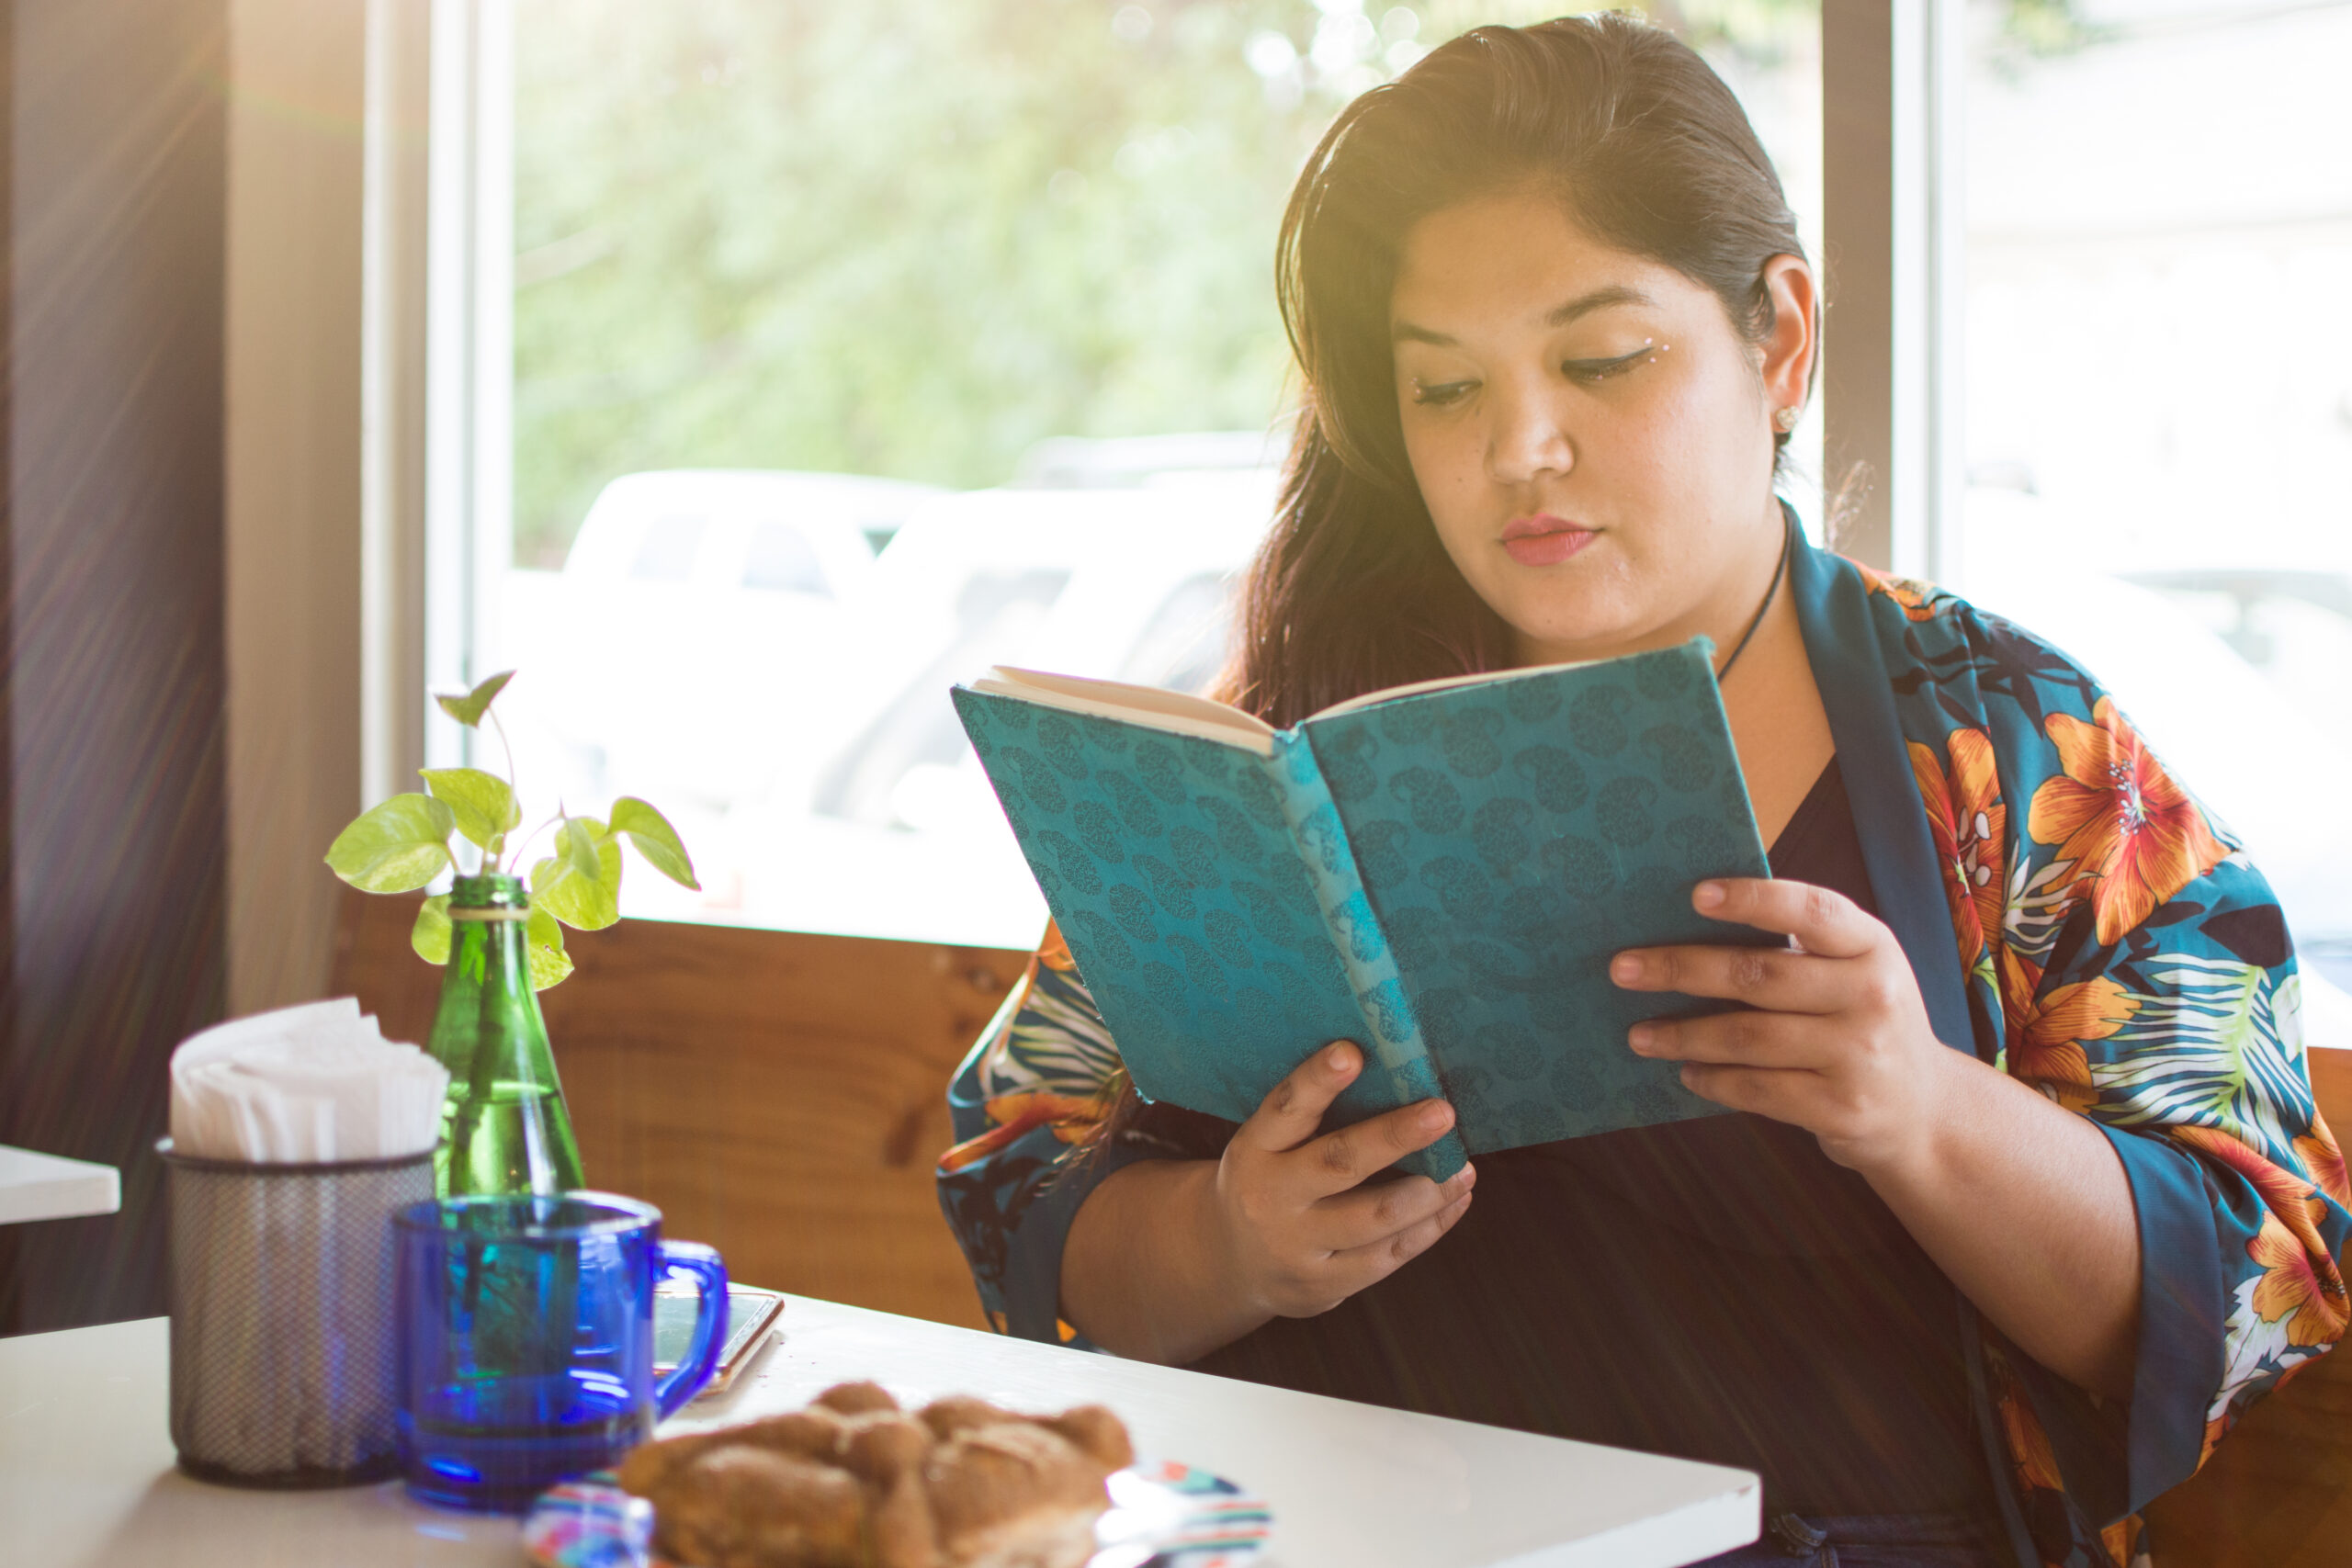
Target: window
(855, 348)
(2158, 403)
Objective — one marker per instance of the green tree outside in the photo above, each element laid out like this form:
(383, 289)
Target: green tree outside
(910, 239)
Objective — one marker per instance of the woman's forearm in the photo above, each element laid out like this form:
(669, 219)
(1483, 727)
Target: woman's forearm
(1141, 1273)
(1168, 1259)
(2024, 1205)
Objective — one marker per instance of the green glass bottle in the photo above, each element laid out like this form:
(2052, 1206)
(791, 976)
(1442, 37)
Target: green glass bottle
(504, 1126)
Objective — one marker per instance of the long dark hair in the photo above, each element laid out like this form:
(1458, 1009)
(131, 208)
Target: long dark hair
(1646, 149)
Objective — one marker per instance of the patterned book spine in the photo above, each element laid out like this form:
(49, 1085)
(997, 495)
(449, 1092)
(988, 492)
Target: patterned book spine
(1392, 1036)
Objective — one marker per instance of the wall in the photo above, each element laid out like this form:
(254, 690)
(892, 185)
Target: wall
(115, 674)
(296, 174)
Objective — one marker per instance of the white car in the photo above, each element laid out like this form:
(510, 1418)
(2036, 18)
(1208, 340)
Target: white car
(673, 655)
(896, 831)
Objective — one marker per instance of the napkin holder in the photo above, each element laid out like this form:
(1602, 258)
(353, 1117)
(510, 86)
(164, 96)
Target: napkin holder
(284, 1369)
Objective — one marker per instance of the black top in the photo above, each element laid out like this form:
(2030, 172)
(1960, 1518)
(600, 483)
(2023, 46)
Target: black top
(1717, 1289)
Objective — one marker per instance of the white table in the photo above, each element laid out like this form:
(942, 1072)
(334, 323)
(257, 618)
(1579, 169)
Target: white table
(86, 1477)
(48, 1187)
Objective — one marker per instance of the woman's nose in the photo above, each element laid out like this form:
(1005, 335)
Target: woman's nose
(1527, 440)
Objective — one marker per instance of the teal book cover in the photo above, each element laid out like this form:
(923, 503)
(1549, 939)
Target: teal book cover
(1440, 874)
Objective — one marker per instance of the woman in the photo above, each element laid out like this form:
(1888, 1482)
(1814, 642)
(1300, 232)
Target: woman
(2027, 1198)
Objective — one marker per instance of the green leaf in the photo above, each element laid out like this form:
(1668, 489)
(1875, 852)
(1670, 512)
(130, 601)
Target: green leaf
(467, 710)
(430, 935)
(482, 803)
(544, 929)
(396, 847)
(655, 840)
(586, 899)
(548, 966)
(578, 840)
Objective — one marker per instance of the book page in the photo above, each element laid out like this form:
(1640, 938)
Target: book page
(1416, 688)
(1160, 709)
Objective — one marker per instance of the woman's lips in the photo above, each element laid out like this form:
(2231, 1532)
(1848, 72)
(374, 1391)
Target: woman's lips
(1545, 540)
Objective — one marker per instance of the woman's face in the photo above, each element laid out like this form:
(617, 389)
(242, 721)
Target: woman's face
(1592, 437)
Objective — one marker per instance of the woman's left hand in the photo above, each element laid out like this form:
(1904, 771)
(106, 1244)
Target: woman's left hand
(1833, 1036)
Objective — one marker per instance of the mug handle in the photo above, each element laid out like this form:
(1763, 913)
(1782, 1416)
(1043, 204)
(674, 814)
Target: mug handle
(701, 1359)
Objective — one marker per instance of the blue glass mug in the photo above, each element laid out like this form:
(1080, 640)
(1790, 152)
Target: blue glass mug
(526, 1329)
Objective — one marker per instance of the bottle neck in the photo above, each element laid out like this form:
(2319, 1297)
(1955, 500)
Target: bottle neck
(486, 917)
(489, 897)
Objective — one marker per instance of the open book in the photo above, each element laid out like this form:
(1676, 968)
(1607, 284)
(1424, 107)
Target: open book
(1439, 872)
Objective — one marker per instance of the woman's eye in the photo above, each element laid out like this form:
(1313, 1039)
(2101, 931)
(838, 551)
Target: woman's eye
(1442, 394)
(1586, 372)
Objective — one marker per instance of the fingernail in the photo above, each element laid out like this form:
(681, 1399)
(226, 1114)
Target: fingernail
(1640, 1036)
(1436, 1117)
(1625, 969)
(1707, 895)
(1336, 1057)
(1467, 1176)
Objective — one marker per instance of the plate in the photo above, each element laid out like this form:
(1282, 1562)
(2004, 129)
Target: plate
(1163, 1514)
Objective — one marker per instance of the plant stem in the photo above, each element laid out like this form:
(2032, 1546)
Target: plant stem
(514, 779)
(524, 841)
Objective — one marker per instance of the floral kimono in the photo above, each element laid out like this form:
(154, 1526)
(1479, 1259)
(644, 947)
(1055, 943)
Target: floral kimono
(2074, 917)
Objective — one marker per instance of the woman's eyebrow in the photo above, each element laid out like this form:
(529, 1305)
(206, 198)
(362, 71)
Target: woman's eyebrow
(1600, 299)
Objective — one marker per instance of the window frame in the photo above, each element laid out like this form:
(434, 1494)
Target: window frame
(432, 385)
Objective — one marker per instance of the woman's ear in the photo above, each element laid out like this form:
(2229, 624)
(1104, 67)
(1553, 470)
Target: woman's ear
(1796, 327)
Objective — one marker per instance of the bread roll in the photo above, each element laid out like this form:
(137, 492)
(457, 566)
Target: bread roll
(814, 1433)
(1098, 1434)
(901, 1525)
(880, 1446)
(962, 1412)
(650, 1465)
(1014, 1495)
(857, 1398)
(854, 1481)
(745, 1507)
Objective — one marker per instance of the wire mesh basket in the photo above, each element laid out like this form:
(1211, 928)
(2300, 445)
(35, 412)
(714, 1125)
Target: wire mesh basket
(283, 1352)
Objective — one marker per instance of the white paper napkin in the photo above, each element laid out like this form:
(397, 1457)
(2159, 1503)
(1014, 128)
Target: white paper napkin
(303, 1084)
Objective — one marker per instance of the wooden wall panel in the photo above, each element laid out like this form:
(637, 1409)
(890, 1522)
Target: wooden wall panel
(779, 1095)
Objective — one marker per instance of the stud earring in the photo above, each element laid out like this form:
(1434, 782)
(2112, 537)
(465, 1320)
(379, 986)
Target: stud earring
(1785, 420)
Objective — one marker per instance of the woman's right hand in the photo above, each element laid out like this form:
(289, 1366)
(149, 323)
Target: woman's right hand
(1168, 1259)
(1298, 1227)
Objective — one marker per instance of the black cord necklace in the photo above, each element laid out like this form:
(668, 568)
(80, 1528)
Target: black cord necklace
(1771, 592)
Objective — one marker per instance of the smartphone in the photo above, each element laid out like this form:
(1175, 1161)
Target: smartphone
(751, 1315)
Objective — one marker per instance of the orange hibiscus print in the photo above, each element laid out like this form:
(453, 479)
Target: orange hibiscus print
(1912, 596)
(2018, 979)
(2323, 1157)
(2308, 1294)
(2286, 1194)
(1016, 1115)
(2131, 832)
(2034, 1461)
(1967, 819)
(2048, 1047)
(2300, 1266)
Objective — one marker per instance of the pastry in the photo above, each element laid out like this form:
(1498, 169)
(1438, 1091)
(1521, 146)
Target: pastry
(1099, 1434)
(1014, 1495)
(854, 1481)
(857, 1398)
(960, 1412)
(748, 1507)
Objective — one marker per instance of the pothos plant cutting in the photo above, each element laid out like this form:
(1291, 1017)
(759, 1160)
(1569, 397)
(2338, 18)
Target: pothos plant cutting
(404, 843)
